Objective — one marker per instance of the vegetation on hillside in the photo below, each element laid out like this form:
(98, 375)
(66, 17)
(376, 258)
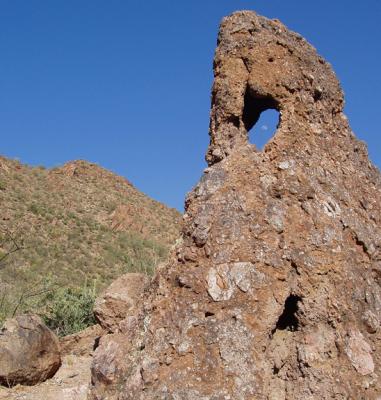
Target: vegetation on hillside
(65, 230)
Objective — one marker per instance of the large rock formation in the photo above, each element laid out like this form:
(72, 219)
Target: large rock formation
(274, 291)
(29, 351)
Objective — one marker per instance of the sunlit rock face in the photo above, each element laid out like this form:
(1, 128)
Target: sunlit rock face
(273, 291)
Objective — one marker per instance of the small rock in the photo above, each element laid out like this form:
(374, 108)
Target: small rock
(359, 353)
(286, 164)
(120, 300)
(223, 279)
(371, 322)
(220, 285)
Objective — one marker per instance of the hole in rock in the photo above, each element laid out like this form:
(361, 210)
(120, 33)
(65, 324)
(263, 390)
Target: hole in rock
(209, 314)
(264, 129)
(288, 319)
(260, 118)
(275, 370)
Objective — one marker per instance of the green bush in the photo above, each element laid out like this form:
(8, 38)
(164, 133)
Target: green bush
(35, 209)
(70, 310)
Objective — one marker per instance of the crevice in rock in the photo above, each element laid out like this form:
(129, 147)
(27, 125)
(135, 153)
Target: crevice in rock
(181, 282)
(96, 342)
(295, 267)
(234, 120)
(359, 242)
(288, 320)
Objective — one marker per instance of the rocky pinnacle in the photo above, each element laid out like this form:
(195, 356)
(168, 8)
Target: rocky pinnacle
(273, 291)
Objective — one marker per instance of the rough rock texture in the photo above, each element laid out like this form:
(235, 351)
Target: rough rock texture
(274, 291)
(118, 310)
(120, 299)
(82, 343)
(29, 351)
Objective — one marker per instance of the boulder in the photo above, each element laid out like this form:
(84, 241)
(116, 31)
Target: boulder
(29, 351)
(71, 382)
(120, 300)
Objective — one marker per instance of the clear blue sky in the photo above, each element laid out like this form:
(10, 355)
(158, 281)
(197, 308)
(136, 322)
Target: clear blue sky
(126, 83)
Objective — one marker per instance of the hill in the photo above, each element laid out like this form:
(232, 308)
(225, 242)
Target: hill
(74, 225)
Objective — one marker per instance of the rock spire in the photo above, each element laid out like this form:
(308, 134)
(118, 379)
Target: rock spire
(273, 291)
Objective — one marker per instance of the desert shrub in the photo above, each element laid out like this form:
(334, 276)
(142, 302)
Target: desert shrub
(24, 299)
(70, 310)
(4, 307)
(35, 209)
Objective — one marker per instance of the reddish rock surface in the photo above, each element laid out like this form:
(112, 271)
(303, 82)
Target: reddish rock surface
(81, 343)
(274, 291)
(120, 300)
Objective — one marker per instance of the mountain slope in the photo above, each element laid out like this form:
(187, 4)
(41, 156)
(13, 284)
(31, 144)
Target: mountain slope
(74, 224)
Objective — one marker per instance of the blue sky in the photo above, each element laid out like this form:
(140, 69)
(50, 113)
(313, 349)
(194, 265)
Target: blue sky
(126, 84)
